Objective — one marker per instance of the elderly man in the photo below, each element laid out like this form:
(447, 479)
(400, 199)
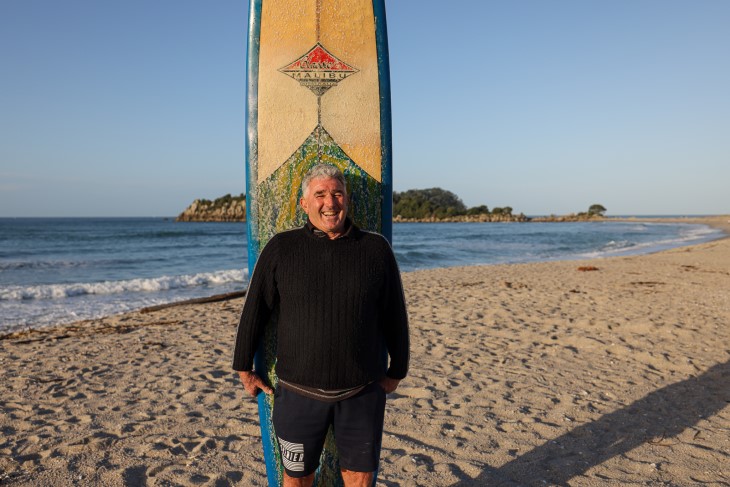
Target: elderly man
(340, 304)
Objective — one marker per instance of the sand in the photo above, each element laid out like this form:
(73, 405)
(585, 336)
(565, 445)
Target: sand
(613, 371)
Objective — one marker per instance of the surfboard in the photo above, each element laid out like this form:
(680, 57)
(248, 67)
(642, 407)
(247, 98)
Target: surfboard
(318, 92)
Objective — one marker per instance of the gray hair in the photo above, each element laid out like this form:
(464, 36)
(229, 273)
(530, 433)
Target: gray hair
(323, 171)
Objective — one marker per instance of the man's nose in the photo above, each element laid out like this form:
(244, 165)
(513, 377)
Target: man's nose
(330, 200)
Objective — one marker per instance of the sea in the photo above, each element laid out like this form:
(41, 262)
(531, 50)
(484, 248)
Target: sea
(60, 270)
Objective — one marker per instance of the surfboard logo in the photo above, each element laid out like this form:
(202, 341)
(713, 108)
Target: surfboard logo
(319, 70)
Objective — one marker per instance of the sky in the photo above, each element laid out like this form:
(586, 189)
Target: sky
(137, 107)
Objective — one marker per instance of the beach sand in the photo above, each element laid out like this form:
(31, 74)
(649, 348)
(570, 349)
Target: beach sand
(612, 371)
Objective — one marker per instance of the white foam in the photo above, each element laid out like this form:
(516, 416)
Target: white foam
(157, 284)
(691, 234)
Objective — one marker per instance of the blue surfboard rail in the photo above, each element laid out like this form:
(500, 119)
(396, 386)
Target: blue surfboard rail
(386, 124)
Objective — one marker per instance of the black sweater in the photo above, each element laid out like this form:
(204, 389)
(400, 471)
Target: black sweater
(341, 307)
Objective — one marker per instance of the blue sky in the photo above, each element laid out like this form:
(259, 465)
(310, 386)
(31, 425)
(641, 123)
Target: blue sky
(135, 108)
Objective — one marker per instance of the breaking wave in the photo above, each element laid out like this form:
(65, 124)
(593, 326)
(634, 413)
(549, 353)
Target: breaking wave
(157, 284)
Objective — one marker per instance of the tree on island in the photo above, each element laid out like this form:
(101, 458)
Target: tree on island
(439, 204)
(427, 203)
(596, 210)
(507, 210)
(478, 210)
(224, 200)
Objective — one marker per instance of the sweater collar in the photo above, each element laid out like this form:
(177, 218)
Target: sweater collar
(350, 230)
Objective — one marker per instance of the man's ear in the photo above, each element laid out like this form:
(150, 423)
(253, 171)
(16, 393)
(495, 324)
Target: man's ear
(303, 204)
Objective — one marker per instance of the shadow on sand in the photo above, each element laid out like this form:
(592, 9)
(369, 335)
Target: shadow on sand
(661, 414)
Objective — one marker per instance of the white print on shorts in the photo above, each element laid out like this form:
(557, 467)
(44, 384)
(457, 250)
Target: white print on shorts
(292, 454)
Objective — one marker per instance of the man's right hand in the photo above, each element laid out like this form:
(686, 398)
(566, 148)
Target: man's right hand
(253, 383)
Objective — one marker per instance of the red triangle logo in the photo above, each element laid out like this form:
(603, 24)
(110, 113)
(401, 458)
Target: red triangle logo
(319, 70)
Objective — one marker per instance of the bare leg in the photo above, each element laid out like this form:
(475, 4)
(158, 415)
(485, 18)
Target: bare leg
(298, 482)
(357, 479)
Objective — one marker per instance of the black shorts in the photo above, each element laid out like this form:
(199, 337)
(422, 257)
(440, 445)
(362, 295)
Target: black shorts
(301, 424)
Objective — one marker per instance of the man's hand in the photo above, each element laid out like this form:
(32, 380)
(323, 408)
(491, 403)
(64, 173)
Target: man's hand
(253, 383)
(388, 384)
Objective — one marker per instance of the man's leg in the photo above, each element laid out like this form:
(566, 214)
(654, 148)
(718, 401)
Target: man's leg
(357, 479)
(298, 482)
(301, 425)
(352, 479)
(358, 425)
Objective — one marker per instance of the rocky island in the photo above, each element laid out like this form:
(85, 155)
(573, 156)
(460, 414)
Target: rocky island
(224, 209)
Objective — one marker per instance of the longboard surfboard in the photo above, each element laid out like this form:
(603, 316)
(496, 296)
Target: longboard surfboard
(318, 92)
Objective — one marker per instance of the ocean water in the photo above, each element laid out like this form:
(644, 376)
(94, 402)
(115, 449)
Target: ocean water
(59, 270)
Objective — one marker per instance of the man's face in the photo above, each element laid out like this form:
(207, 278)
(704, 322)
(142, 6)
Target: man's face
(325, 203)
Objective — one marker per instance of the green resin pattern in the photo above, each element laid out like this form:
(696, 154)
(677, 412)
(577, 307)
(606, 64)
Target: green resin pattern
(278, 196)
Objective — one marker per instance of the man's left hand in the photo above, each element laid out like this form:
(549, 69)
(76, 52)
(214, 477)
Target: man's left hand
(389, 385)
(253, 383)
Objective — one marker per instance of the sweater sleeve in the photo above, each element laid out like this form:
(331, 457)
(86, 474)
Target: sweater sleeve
(395, 320)
(261, 297)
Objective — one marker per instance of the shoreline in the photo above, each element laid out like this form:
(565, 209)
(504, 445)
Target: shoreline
(607, 371)
(721, 222)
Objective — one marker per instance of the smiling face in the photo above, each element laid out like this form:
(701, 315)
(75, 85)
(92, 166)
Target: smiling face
(325, 202)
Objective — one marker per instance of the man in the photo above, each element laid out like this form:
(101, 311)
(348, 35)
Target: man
(340, 304)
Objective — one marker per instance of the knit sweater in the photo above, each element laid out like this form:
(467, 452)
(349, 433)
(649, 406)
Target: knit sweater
(340, 308)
